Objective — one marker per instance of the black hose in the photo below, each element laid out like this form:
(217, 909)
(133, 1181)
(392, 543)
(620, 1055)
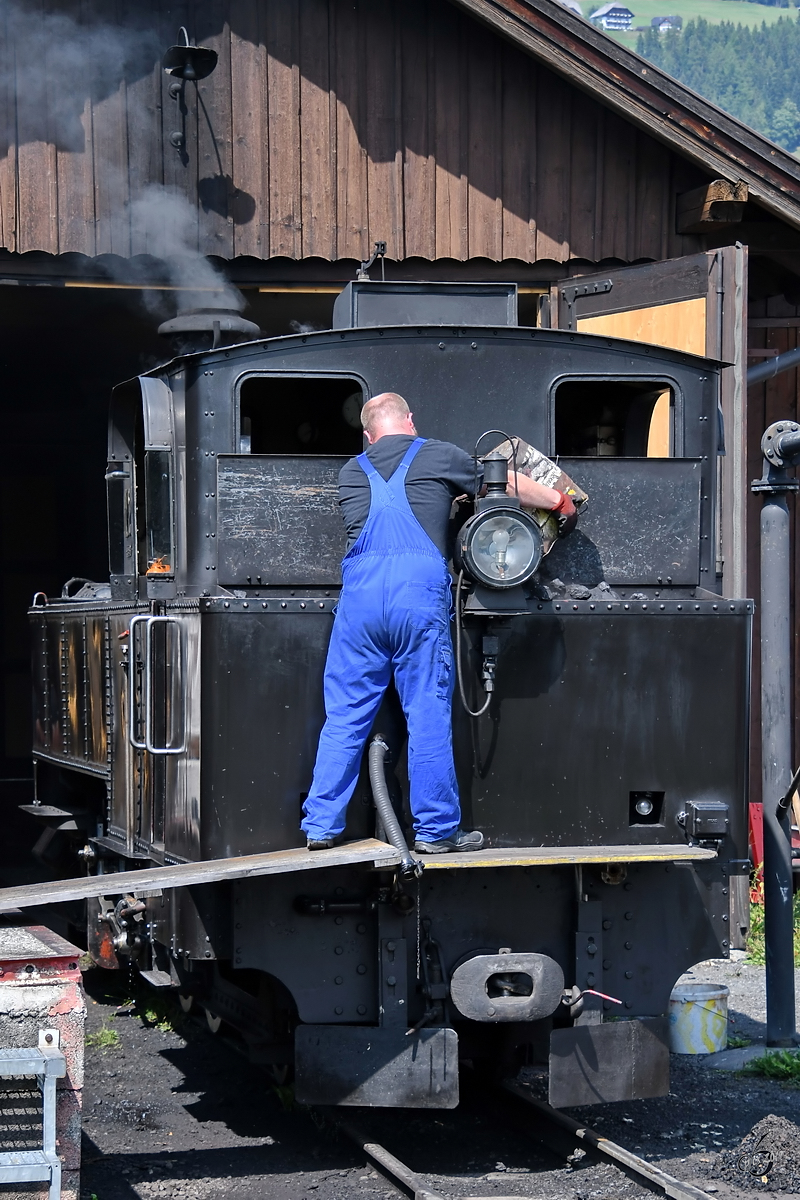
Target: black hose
(459, 671)
(409, 867)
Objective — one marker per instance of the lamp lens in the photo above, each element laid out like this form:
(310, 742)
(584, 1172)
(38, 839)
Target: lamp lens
(644, 807)
(504, 549)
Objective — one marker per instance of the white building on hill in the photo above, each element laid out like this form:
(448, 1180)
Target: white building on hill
(612, 16)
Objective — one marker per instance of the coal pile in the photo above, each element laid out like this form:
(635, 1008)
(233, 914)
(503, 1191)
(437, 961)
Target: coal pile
(766, 1160)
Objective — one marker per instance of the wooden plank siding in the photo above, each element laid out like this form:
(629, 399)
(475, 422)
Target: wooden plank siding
(330, 124)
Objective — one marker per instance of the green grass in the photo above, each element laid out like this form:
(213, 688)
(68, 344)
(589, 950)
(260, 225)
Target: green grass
(160, 1012)
(739, 12)
(783, 1065)
(756, 951)
(103, 1039)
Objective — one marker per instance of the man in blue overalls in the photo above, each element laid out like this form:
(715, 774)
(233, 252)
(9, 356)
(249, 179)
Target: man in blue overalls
(393, 619)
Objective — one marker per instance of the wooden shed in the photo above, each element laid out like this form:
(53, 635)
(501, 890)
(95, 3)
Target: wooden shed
(480, 139)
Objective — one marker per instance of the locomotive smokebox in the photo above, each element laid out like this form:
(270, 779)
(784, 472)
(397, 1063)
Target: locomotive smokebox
(197, 329)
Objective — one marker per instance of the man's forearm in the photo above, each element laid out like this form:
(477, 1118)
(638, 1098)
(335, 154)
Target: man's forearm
(533, 494)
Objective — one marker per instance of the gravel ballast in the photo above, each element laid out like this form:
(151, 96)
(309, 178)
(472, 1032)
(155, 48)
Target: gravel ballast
(178, 1113)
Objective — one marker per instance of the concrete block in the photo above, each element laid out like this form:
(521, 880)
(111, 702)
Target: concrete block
(69, 1107)
(41, 990)
(733, 1060)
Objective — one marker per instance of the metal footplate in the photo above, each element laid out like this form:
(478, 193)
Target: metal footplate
(47, 1064)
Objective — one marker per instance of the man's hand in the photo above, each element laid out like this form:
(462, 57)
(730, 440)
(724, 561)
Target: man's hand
(566, 514)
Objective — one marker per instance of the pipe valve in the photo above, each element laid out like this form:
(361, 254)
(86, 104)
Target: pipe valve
(491, 649)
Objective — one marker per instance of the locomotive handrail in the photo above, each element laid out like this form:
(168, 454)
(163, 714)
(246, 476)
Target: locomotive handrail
(147, 685)
(148, 688)
(137, 620)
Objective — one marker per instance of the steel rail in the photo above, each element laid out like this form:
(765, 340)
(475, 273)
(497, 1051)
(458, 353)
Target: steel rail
(391, 1168)
(644, 1172)
(559, 1133)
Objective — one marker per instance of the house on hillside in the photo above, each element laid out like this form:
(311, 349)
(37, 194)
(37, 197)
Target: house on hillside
(665, 24)
(573, 6)
(481, 141)
(612, 16)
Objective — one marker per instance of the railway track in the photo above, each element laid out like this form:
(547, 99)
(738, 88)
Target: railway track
(553, 1130)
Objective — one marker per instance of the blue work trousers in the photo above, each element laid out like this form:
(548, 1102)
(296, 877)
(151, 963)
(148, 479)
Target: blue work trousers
(395, 624)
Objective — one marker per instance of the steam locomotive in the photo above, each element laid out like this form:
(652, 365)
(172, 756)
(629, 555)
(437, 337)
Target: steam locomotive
(177, 710)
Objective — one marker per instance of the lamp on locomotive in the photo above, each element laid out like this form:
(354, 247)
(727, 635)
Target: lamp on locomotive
(501, 545)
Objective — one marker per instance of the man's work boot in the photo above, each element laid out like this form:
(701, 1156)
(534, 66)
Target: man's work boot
(322, 843)
(460, 840)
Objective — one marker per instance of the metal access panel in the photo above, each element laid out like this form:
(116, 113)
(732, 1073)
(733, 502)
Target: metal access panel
(642, 523)
(397, 303)
(376, 1068)
(596, 1064)
(279, 519)
(595, 701)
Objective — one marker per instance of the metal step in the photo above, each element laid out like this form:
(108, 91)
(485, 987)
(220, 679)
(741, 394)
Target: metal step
(27, 1166)
(16, 1061)
(48, 1064)
(159, 979)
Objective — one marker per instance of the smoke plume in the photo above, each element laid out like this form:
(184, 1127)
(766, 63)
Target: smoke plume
(165, 222)
(50, 65)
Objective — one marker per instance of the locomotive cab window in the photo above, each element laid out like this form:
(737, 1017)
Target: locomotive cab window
(311, 415)
(155, 504)
(158, 506)
(614, 418)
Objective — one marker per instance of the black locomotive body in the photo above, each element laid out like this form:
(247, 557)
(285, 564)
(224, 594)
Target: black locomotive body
(177, 713)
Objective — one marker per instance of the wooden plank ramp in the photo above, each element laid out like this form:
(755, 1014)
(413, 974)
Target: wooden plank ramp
(369, 852)
(554, 856)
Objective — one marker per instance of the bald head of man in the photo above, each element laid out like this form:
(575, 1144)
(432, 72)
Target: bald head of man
(386, 414)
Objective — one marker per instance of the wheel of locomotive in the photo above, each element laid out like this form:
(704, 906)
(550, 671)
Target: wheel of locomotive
(186, 1001)
(213, 1021)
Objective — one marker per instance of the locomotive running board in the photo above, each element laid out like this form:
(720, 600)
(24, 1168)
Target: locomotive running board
(369, 852)
(554, 856)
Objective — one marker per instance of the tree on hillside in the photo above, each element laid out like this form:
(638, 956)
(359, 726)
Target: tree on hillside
(751, 73)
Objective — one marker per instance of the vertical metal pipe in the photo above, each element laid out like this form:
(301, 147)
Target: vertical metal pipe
(776, 737)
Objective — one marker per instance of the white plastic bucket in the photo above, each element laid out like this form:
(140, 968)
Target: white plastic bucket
(698, 1018)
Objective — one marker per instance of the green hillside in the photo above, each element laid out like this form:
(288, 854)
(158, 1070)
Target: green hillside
(750, 72)
(713, 11)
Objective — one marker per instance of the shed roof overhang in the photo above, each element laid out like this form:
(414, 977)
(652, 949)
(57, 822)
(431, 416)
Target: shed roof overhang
(641, 93)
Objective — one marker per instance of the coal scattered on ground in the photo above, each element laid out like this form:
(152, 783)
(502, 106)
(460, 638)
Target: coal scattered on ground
(766, 1160)
(174, 1112)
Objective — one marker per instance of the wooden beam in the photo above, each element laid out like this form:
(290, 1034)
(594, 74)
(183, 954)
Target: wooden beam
(555, 856)
(369, 852)
(717, 203)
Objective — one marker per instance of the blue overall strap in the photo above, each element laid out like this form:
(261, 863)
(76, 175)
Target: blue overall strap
(411, 453)
(366, 465)
(408, 458)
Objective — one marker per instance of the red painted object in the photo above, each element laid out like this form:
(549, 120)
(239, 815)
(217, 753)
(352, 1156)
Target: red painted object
(757, 850)
(756, 839)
